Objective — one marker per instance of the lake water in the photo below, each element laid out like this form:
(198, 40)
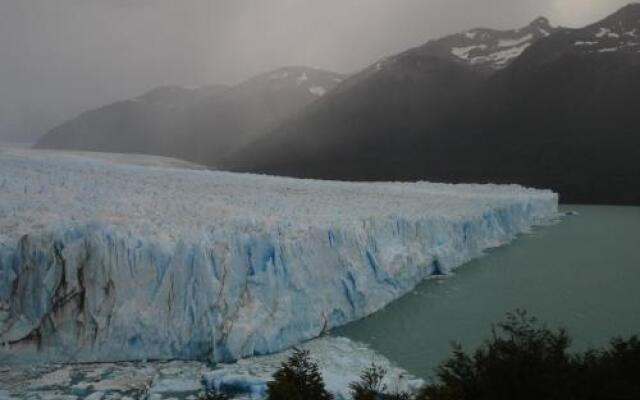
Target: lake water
(583, 274)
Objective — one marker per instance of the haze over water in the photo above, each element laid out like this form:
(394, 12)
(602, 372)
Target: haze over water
(583, 274)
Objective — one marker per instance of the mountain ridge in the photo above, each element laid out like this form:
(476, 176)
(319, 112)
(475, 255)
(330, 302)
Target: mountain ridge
(198, 125)
(540, 121)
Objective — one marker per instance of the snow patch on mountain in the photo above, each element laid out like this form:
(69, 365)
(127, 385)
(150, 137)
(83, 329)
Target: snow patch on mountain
(302, 78)
(606, 32)
(108, 261)
(515, 42)
(501, 58)
(317, 90)
(585, 43)
(616, 33)
(495, 49)
(464, 52)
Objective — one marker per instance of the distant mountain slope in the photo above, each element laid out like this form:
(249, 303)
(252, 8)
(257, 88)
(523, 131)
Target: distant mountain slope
(558, 108)
(382, 112)
(199, 125)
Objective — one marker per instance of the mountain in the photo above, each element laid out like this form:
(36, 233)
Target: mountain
(492, 49)
(199, 125)
(540, 106)
(383, 112)
(564, 115)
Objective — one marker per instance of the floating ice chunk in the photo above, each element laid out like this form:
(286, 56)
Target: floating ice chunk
(340, 361)
(59, 377)
(4, 395)
(174, 379)
(176, 385)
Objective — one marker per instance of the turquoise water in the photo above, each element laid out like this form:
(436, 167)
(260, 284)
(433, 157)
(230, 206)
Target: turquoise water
(583, 274)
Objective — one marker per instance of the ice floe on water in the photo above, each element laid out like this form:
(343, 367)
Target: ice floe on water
(340, 360)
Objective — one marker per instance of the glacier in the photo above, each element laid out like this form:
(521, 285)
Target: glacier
(104, 259)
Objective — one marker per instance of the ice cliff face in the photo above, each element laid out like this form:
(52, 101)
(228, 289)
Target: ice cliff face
(105, 261)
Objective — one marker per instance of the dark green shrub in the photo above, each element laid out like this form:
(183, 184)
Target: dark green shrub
(372, 387)
(524, 360)
(612, 373)
(298, 379)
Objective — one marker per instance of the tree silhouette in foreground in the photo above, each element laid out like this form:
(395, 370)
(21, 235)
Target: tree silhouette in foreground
(372, 387)
(298, 379)
(521, 360)
(525, 360)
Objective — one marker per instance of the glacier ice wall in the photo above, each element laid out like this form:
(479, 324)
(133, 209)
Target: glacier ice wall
(106, 261)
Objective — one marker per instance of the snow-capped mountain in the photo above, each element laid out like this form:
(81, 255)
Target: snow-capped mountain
(482, 48)
(382, 109)
(199, 125)
(494, 48)
(540, 106)
(618, 33)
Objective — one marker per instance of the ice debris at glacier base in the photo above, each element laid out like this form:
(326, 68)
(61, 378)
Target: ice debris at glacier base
(340, 361)
(101, 260)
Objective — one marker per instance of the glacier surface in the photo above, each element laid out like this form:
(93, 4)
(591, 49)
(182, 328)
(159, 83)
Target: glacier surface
(104, 260)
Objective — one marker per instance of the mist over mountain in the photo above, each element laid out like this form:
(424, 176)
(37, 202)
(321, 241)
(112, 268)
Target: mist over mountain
(538, 106)
(541, 105)
(199, 125)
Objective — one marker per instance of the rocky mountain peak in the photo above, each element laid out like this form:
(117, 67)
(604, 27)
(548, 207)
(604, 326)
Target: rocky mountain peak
(495, 49)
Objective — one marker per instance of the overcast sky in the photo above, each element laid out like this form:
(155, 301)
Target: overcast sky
(60, 57)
